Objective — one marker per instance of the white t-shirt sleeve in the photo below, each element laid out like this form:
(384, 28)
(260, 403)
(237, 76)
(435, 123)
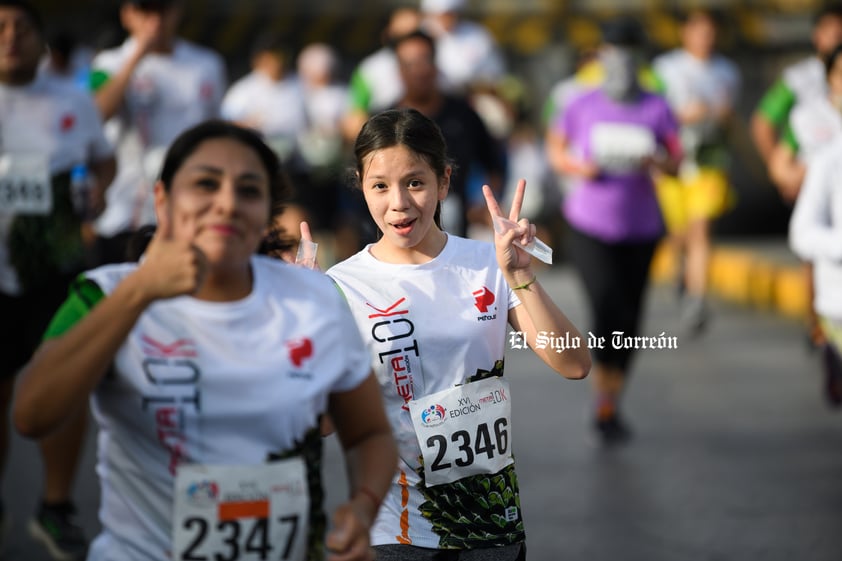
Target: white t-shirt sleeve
(357, 359)
(235, 102)
(100, 148)
(221, 79)
(812, 232)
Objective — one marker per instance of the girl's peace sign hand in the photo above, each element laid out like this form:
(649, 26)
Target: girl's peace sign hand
(512, 259)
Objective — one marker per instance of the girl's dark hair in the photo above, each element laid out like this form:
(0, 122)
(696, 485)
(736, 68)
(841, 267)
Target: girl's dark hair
(403, 127)
(187, 142)
(830, 59)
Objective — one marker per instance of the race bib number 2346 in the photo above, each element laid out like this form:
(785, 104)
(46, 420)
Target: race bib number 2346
(464, 430)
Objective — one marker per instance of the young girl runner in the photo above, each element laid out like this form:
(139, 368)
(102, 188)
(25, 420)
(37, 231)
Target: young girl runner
(434, 311)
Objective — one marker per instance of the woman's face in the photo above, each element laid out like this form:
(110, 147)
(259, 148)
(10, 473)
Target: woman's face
(402, 192)
(219, 201)
(21, 45)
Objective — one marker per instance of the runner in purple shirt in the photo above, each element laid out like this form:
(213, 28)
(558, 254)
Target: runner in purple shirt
(608, 142)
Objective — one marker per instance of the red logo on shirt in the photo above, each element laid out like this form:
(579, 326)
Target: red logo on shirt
(483, 298)
(67, 122)
(390, 311)
(300, 350)
(206, 91)
(181, 348)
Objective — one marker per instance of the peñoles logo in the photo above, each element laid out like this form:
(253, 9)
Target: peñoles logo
(483, 298)
(433, 415)
(299, 350)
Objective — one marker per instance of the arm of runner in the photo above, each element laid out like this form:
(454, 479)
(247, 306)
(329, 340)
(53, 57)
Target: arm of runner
(786, 171)
(771, 114)
(110, 95)
(371, 456)
(66, 369)
(668, 160)
(562, 161)
(103, 172)
(537, 311)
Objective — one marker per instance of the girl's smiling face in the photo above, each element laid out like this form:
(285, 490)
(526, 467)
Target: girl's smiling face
(402, 192)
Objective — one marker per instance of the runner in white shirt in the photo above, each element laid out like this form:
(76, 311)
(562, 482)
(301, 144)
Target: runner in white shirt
(223, 363)
(798, 81)
(48, 128)
(813, 125)
(152, 87)
(814, 233)
(466, 53)
(376, 82)
(269, 98)
(701, 87)
(434, 310)
(813, 142)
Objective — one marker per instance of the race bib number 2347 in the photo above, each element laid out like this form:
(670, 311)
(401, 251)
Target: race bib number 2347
(242, 513)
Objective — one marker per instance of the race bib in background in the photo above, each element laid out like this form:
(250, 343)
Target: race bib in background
(25, 186)
(620, 147)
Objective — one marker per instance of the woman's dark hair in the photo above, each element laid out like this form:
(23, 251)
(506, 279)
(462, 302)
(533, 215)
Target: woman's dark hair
(403, 127)
(395, 42)
(187, 142)
(280, 188)
(830, 59)
(29, 9)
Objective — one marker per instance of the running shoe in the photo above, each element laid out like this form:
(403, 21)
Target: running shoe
(612, 430)
(54, 527)
(832, 365)
(694, 316)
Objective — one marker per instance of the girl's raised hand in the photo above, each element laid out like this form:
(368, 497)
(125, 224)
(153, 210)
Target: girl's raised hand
(510, 257)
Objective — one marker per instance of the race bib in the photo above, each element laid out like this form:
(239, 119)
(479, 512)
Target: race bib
(244, 513)
(25, 186)
(621, 147)
(464, 430)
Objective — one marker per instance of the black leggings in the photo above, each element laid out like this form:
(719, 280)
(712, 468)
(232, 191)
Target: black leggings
(615, 277)
(394, 552)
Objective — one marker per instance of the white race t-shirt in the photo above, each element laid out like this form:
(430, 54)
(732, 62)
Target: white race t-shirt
(815, 228)
(806, 78)
(53, 120)
(213, 383)
(429, 328)
(468, 54)
(815, 123)
(167, 94)
(275, 108)
(715, 82)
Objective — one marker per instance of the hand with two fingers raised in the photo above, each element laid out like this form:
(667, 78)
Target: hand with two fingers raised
(513, 261)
